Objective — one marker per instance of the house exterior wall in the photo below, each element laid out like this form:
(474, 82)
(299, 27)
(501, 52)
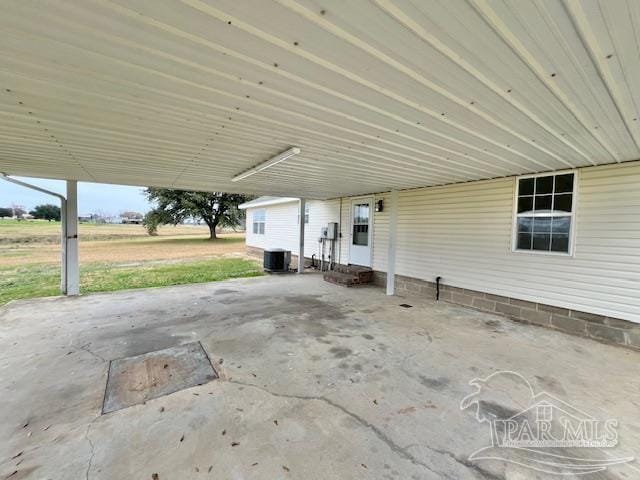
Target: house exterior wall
(320, 214)
(281, 226)
(463, 233)
(380, 231)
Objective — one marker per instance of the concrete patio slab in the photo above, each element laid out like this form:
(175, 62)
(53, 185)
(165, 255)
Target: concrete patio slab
(316, 382)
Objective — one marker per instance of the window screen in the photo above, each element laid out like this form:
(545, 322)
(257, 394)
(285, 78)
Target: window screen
(544, 219)
(259, 218)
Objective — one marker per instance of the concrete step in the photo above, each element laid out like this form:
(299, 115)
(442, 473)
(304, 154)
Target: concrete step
(349, 275)
(364, 274)
(353, 269)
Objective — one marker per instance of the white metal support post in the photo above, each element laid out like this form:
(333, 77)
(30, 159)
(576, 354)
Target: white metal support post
(301, 237)
(393, 240)
(69, 269)
(71, 264)
(63, 245)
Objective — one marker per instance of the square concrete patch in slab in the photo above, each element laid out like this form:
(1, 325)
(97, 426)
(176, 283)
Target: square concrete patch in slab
(134, 380)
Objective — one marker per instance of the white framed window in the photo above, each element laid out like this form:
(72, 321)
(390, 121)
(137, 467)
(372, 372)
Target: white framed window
(306, 213)
(544, 213)
(259, 219)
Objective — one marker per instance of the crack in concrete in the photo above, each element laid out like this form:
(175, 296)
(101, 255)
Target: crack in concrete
(93, 450)
(485, 474)
(394, 447)
(86, 348)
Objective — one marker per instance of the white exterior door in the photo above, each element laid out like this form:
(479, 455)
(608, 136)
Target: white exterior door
(361, 232)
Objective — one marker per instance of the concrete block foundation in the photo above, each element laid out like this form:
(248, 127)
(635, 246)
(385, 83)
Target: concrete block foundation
(597, 327)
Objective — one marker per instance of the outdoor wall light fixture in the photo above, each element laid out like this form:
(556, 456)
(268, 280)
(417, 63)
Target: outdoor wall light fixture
(281, 157)
(379, 205)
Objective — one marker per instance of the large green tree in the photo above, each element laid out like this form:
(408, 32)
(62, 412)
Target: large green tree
(46, 212)
(175, 206)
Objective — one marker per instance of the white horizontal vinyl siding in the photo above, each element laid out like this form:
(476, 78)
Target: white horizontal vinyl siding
(381, 234)
(320, 214)
(281, 225)
(280, 228)
(463, 234)
(345, 229)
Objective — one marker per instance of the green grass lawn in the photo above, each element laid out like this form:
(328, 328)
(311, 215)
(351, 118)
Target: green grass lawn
(116, 257)
(42, 280)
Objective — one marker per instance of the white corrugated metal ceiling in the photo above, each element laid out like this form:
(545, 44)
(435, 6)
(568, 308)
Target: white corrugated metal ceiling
(377, 94)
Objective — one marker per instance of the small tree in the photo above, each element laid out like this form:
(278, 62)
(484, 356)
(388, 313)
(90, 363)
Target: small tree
(46, 212)
(214, 208)
(153, 219)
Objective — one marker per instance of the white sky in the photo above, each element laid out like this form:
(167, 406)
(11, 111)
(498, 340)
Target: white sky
(92, 197)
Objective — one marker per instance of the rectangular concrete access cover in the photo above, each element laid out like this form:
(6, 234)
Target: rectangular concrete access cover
(134, 380)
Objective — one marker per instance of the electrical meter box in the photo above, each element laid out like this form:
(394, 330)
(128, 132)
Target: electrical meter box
(332, 231)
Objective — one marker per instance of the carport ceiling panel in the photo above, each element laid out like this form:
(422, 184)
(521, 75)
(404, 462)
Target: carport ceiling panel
(377, 94)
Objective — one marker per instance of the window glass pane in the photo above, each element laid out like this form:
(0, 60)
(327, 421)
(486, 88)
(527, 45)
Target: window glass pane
(543, 203)
(361, 213)
(261, 225)
(560, 243)
(525, 204)
(525, 224)
(564, 183)
(562, 202)
(255, 228)
(361, 235)
(524, 241)
(541, 241)
(525, 186)
(544, 207)
(259, 215)
(544, 185)
(542, 225)
(561, 225)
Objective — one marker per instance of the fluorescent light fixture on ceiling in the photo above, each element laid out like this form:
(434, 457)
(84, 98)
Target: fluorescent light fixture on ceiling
(281, 157)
